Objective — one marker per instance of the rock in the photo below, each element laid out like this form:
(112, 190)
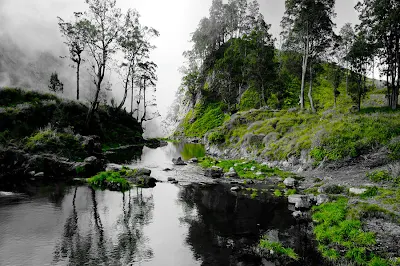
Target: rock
(113, 167)
(194, 160)
(249, 182)
(322, 198)
(144, 181)
(297, 214)
(91, 144)
(235, 189)
(32, 173)
(171, 179)
(91, 160)
(285, 164)
(231, 174)
(300, 201)
(214, 172)
(313, 198)
(178, 161)
(357, 191)
(40, 174)
(143, 171)
(167, 169)
(290, 182)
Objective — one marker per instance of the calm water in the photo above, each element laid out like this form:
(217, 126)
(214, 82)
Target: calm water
(185, 224)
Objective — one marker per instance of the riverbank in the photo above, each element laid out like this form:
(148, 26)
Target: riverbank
(344, 160)
(43, 136)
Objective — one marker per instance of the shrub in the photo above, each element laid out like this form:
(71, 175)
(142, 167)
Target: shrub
(379, 176)
(109, 180)
(278, 248)
(216, 137)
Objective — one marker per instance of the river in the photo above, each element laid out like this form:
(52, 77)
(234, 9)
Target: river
(190, 223)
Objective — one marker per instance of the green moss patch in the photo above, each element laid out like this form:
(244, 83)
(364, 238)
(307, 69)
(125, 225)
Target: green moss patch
(245, 169)
(278, 248)
(110, 180)
(340, 235)
(50, 140)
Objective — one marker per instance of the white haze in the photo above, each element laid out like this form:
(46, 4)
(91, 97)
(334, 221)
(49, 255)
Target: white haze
(29, 30)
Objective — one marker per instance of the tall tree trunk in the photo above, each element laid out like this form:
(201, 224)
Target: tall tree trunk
(359, 91)
(310, 91)
(132, 98)
(126, 90)
(144, 102)
(389, 97)
(303, 76)
(78, 65)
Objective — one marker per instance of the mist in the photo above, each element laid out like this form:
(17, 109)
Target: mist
(31, 44)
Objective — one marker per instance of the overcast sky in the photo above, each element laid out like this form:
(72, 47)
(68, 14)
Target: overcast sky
(33, 25)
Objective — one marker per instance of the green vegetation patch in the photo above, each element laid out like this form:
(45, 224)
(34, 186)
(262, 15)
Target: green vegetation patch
(278, 248)
(340, 234)
(110, 180)
(10, 97)
(50, 140)
(245, 169)
(203, 119)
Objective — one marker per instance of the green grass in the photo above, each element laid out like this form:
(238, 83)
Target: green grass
(339, 232)
(290, 192)
(106, 180)
(203, 119)
(278, 193)
(50, 140)
(243, 168)
(278, 248)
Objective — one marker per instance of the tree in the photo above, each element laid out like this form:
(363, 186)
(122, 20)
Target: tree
(146, 78)
(75, 34)
(308, 28)
(359, 56)
(135, 45)
(347, 37)
(381, 20)
(191, 82)
(103, 30)
(55, 84)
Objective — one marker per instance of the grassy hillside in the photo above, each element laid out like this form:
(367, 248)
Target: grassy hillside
(331, 134)
(23, 113)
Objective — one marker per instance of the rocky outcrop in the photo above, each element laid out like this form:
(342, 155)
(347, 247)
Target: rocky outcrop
(15, 162)
(214, 172)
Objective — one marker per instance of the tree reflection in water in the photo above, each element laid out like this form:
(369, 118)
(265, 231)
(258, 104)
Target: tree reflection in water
(115, 238)
(227, 227)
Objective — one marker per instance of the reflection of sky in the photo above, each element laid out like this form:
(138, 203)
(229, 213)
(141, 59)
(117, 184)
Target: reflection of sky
(32, 231)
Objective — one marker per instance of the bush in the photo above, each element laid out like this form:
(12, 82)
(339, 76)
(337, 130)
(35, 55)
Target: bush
(50, 140)
(216, 137)
(379, 176)
(109, 180)
(278, 248)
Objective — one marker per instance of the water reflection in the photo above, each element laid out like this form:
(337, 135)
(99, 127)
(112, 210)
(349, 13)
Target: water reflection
(98, 235)
(228, 227)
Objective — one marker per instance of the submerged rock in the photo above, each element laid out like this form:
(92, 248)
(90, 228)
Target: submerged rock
(194, 160)
(178, 161)
(167, 169)
(214, 172)
(143, 171)
(113, 167)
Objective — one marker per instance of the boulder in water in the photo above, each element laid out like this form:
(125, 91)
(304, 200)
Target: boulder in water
(178, 161)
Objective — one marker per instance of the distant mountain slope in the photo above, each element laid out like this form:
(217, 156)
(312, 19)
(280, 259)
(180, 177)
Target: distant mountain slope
(19, 69)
